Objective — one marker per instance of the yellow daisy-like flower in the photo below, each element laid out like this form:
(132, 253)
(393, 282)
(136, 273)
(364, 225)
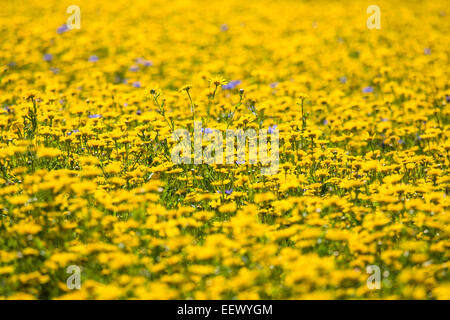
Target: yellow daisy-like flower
(217, 81)
(186, 87)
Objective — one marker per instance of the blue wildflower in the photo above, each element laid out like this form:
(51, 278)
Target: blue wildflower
(136, 84)
(207, 130)
(73, 131)
(48, 57)
(367, 90)
(94, 116)
(272, 129)
(93, 58)
(62, 29)
(231, 85)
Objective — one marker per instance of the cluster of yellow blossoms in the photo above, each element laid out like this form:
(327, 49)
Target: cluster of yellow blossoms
(87, 180)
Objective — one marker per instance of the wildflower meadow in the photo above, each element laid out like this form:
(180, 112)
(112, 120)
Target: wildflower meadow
(224, 149)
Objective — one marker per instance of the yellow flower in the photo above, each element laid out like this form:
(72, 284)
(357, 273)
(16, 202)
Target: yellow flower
(217, 81)
(44, 152)
(186, 87)
(24, 227)
(228, 207)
